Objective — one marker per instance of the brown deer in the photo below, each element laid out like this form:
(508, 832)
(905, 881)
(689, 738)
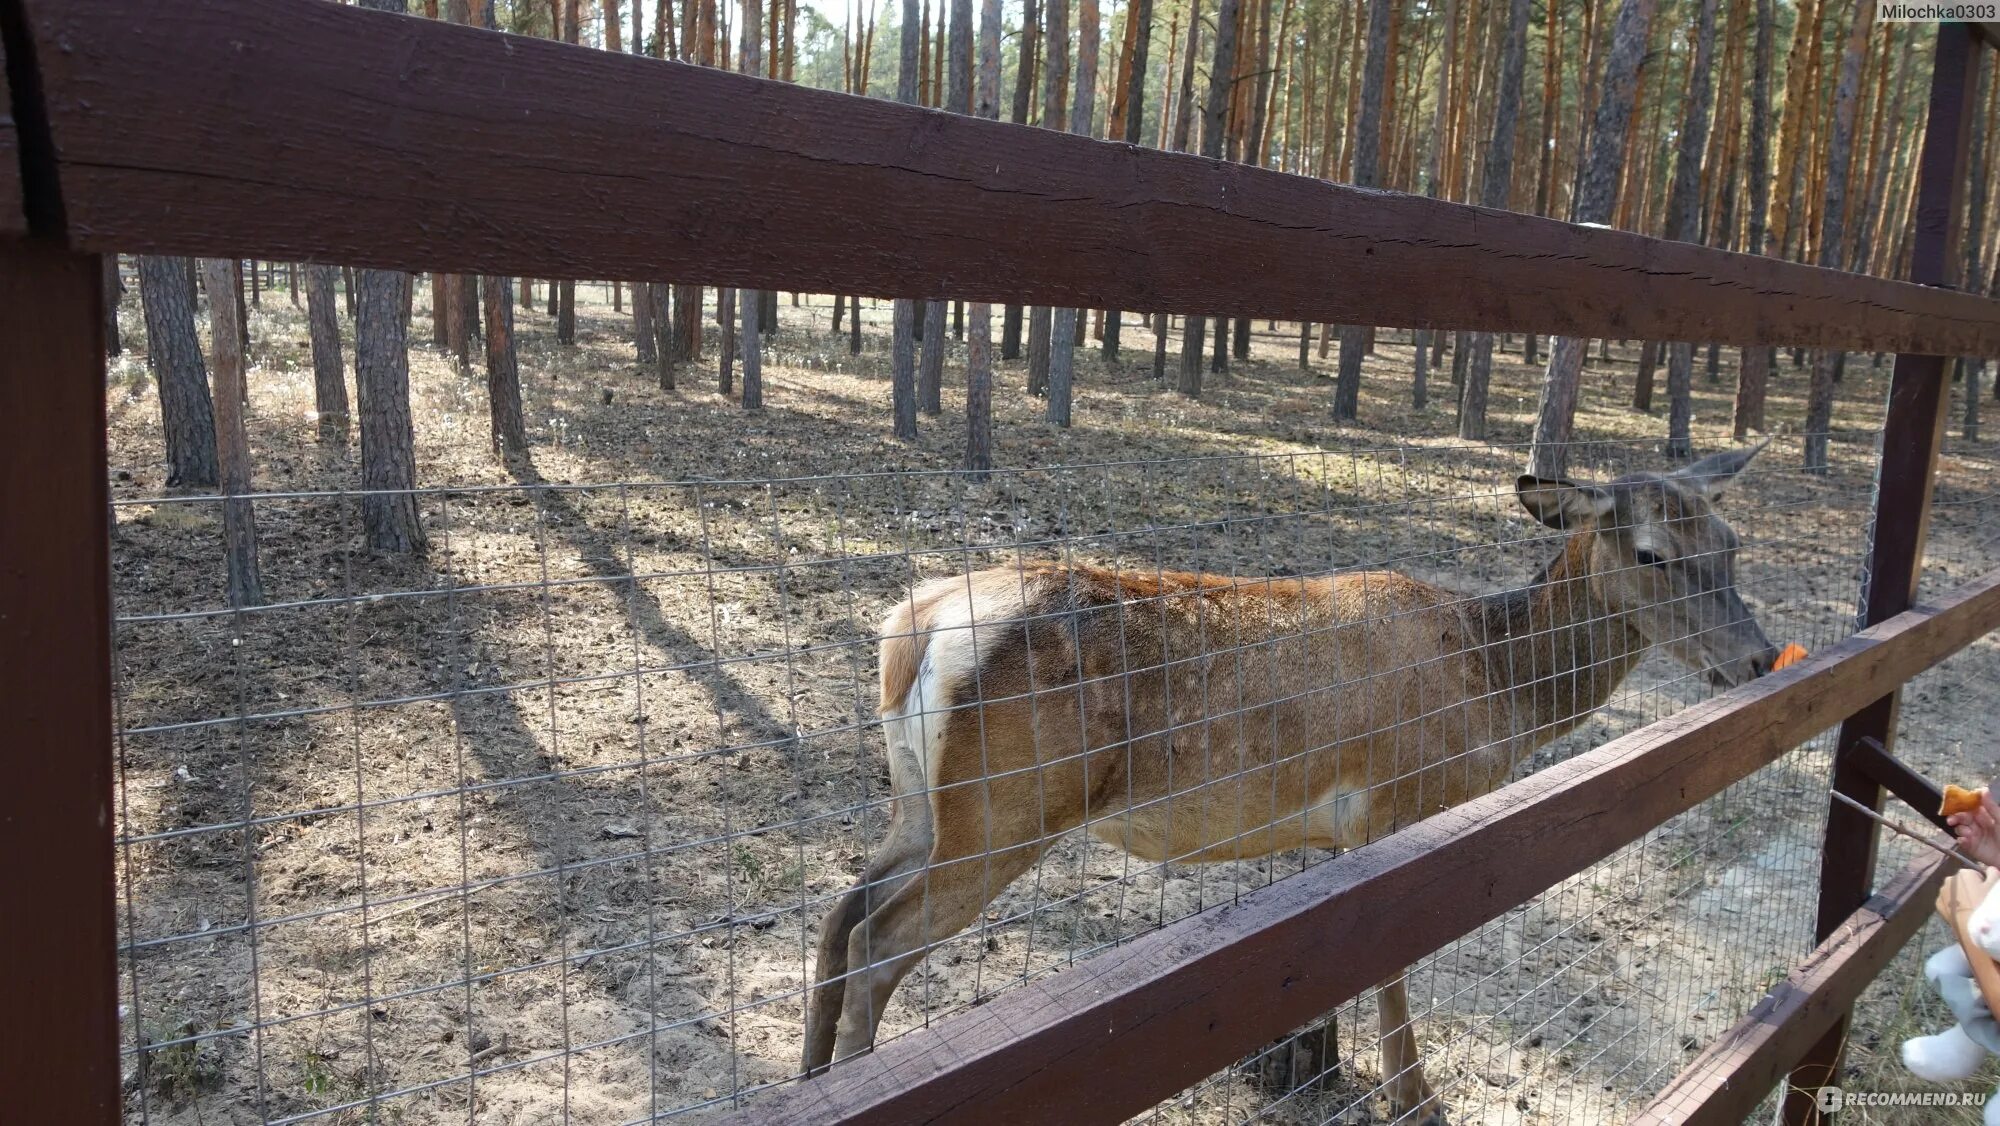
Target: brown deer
(1205, 718)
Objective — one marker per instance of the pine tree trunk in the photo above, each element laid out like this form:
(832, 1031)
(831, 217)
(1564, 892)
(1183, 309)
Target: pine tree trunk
(113, 289)
(1840, 151)
(645, 348)
(930, 370)
(1684, 223)
(1066, 327)
(441, 307)
(468, 323)
(232, 443)
(1367, 174)
(382, 386)
(1753, 364)
(1138, 40)
(903, 369)
(565, 312)
(1642, 382)
(751, 342)
(979, 340)
(1192, 339)
(329, 377)
(725, 368)
(174, 353)
(503, 373)
(1024, 97)
(1498, 175)
(907, 315)
(1596, 197)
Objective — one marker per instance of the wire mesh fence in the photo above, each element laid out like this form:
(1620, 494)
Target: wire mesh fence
(543, 824)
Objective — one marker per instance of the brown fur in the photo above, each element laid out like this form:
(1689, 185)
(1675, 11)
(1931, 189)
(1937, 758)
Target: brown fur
(1193, 717)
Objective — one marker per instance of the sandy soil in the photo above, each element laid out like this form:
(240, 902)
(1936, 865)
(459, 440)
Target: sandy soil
(562, 800)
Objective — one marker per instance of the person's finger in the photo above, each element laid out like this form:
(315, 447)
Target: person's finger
(1955, 819)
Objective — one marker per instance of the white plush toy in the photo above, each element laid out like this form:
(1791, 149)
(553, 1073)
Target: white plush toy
(1956, 1053)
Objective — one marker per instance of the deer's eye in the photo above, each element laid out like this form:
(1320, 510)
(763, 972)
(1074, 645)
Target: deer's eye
(1650, 558)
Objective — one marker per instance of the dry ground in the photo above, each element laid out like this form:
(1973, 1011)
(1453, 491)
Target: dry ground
(594, 818)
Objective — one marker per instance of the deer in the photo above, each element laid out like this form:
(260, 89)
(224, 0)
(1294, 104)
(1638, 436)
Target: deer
(1200, 718)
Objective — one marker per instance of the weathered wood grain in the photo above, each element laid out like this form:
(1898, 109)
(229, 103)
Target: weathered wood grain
(59, 1041)
(296, 129)
(13, 216)
(1724, 1084)
(1194, 996)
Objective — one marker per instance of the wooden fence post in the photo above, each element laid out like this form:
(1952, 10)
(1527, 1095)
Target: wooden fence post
(1919, 395)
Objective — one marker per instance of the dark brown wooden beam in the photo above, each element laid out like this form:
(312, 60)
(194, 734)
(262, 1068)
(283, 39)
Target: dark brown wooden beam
(1912, 433)
(59, 1041)
(418, 144)
(1723, 1085)
(1194, 996)
(1895, 776)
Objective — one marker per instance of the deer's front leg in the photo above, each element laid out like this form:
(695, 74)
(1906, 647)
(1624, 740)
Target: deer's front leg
(1410, 1097)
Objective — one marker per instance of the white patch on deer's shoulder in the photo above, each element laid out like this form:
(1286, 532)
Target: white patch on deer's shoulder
(951, 659)
(1338, 820)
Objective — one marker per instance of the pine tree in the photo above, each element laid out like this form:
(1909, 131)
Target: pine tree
(1597, 196)
(174, 353)
(239, 523)
(329, 377)
(1367, 174)
(1493, 193)
(1840, 151)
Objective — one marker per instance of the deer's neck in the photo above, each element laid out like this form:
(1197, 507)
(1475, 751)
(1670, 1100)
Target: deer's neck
(1555, 650)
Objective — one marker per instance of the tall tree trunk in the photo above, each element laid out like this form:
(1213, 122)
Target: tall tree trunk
(750, 302)
(329, 378)
(239, 522)
(725, 317)
(1596, 197)
(1367, 174)
(1214, 108)
(113, 290)
(930, 368)
(382, 386)
(645, 349)
(1684, 224)
(979, 340)
(1024, 97)
(906, 315)
(467, 323)
(1753, 368)
(1138, 39)
(1062, 343)
(1971, 275)
(1840, 151)
(173, 351)
(1055, 84)
(503, 374)
(565, 312)
(1499, 174)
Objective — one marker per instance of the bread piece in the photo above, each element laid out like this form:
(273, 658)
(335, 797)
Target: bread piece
(1958, 799)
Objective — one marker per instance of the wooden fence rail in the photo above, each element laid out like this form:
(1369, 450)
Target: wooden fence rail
(298, 129)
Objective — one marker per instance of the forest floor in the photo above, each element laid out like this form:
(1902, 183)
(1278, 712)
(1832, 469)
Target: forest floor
(563, 799)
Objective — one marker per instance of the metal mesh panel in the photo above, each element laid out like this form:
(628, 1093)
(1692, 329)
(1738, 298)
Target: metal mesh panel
(551, 821)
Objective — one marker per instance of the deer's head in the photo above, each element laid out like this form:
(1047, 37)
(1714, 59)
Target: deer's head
(1661, 559)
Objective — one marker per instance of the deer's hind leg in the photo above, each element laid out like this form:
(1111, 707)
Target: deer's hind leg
(969, 864)
(902, 854)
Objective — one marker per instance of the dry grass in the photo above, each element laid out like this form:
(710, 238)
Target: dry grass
(655, 847)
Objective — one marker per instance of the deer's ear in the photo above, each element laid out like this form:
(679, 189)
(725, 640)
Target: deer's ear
(1562, 504)
(1712, 474)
